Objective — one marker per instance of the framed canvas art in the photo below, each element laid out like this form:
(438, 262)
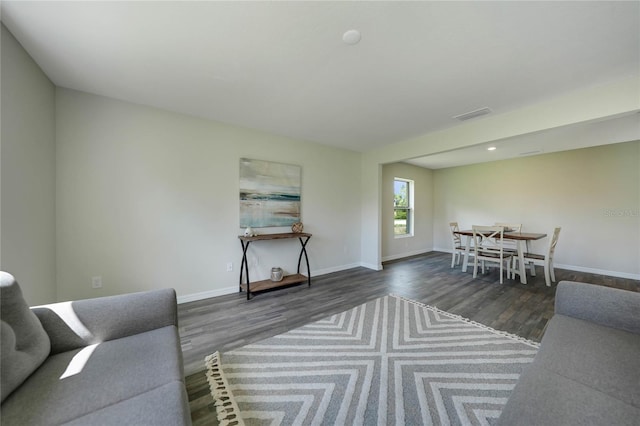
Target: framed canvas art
(269, 193)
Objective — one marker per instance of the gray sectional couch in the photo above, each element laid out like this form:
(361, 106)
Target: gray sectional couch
(106, 361)
(587, 371)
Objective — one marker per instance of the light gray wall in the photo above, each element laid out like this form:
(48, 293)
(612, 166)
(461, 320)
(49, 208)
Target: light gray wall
(27, 224)
(148, 198)
(422, 239)
(592, 193)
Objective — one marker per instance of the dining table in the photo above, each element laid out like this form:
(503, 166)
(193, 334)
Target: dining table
(520, 238)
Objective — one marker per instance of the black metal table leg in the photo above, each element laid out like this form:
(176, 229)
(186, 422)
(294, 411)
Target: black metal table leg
(245, 264)
(304, 250)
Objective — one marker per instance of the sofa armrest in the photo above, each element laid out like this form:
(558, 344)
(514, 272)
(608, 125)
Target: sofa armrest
(606, 306)
(80, 323)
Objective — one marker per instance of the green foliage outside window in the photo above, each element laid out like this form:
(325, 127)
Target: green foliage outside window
(400, 214)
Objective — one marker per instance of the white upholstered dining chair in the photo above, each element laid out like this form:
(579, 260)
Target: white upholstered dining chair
(489, 242)
(544, 260)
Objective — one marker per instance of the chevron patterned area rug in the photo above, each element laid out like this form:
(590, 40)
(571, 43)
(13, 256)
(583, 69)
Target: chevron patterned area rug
(391, 361)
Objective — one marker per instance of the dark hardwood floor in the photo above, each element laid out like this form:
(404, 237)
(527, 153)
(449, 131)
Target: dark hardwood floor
(228, 322)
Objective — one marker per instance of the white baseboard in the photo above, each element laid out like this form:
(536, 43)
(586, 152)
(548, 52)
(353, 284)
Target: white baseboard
(406, 254)
(598, 271)
(445, 250)
(207, 294)
(234, 289)
(579, 269)
(333, 269)
(377, 267)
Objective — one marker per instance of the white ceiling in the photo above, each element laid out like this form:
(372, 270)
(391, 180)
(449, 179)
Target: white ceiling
(282, 67)
(582, 135)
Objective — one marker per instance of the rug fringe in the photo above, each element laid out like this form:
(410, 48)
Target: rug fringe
(468, 321)
(226, 407)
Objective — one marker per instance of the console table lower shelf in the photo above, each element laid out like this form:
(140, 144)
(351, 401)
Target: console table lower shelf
(268, 284)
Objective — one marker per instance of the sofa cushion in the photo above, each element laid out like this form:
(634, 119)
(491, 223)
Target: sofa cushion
(24, 344)
(584, 373)
(73, 384)
(600, 357)
(545, 398)
(75, 324)
(166, 405)
(611, 307)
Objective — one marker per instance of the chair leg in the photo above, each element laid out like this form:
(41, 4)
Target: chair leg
(546, 273)
(551, 271)
(475, 267)
(532, 268)
(453, 258)
(546, 277)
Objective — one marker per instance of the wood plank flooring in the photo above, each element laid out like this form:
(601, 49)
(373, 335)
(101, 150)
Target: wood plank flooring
(228, 322)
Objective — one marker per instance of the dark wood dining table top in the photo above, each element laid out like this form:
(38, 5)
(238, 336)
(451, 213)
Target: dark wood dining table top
(525, 236)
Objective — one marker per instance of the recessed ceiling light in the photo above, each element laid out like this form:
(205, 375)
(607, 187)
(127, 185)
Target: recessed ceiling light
(491, 148)
(351, 37)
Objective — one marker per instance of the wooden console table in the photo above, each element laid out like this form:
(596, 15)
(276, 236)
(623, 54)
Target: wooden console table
(251, 287)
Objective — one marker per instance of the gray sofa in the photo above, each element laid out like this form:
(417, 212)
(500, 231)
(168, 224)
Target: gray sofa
(106, 361)
(587, 371)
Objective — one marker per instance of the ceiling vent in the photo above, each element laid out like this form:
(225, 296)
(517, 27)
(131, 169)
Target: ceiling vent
(473, 114)
(537, 151)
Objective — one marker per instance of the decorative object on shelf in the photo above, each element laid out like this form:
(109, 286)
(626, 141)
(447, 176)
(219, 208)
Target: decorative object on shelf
(249, 232)
(276, 274)
(297, 227)
(269, 193)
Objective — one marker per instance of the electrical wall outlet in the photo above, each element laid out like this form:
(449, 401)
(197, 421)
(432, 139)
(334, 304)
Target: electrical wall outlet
(230, 267)
(96, 282)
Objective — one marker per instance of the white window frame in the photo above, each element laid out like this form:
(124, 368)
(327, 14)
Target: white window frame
(410, 208)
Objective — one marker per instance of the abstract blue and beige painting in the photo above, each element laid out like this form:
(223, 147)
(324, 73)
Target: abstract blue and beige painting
(269, 193)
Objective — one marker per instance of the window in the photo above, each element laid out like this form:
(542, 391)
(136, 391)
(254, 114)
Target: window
(402, 207)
